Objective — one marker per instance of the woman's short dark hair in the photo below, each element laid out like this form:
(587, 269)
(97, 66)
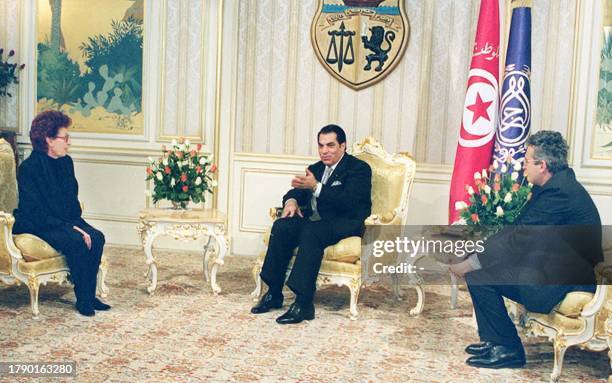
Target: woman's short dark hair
(340, 135)
(45, 125)
(550, 147)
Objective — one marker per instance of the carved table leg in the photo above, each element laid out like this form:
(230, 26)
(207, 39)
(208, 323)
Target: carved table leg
(151, 273)
(223, 248)
(206, 258)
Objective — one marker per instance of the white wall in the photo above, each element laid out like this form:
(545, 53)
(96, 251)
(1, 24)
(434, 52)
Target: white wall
(258, 101)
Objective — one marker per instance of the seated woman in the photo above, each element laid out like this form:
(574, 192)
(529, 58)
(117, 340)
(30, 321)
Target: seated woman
(49, 208)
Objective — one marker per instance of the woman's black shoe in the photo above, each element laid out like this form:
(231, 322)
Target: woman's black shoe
(86, 310)
(99, 305)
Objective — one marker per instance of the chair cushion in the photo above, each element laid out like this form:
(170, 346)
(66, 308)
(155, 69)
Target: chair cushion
(45, 266)
(573, 303)
(347, 250)
(33, 248)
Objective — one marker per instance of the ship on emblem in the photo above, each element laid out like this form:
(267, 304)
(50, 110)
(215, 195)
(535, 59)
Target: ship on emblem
(360, 42)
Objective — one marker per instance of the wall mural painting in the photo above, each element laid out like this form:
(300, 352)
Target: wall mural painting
(602, 138)
(90, 63)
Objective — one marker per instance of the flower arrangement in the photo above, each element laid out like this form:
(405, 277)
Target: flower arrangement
(498, 199)
(182, 174)
(8, 72)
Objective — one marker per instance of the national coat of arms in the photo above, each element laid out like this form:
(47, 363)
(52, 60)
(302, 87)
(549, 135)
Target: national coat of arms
(360, 41)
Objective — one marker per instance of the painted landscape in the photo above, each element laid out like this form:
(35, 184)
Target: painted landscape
(91, 67)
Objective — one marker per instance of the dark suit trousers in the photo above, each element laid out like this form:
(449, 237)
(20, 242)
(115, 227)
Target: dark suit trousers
(312, 239)
(489, 286)
(82, 262)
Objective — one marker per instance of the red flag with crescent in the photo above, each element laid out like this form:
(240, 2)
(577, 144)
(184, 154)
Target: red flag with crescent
(479, 122)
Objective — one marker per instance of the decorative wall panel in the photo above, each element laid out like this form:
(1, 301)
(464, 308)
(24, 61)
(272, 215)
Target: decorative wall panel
(9, 39)
(416, 109)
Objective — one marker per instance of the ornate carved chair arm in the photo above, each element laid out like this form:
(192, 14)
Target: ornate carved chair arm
(389, 218)
(604, 277)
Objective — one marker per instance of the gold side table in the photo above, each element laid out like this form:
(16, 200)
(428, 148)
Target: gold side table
(184, 225)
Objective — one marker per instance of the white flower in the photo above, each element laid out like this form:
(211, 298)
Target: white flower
(499, 211)
(484, 173)
(495, 164)
(508, 197)
(487, 189)
(202, 160)
(214, 183)
(477, 175)
(187, 143)
(165, 161)
(530, 184)
(517, 166)
(172, 182)
(460, 205)
(181, 147)
(514, 176)
(504, 168)
(470, 190)
(198, 181)
(159, 176)
(173, 143)
(151, 160)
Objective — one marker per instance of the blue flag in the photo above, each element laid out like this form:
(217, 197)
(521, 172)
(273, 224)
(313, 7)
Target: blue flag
(515, 103)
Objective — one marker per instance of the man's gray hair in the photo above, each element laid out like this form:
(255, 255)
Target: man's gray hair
(551, 147)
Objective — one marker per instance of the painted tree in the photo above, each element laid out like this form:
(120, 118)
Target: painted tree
(57, 38)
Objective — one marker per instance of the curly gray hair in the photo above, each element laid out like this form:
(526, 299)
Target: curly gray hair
(551, 147)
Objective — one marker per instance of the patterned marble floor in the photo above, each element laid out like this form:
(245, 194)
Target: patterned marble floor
(183, 333)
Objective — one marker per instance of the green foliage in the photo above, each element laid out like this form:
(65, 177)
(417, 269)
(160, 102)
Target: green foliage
(604, 95)
(8, 73)
(121, 53)
(59, 78)
(103, 98)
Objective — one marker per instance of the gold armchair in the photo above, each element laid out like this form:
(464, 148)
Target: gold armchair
(582, 319)
(26, 258)
(392, 178)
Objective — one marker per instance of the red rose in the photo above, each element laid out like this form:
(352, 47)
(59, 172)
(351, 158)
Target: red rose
(515, 187)
(496, 186)
(179, 154)
(149, 171)
(183, 177)
(497, 177)
(484, 199)
(478, 183)
(167, 170)
(213, 168)
(199, 147)
(185, 188)
(474, 218)
(192, 153)
(198, 169)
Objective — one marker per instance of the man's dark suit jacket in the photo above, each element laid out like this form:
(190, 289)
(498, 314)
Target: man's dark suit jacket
(556, 240)
(345, 198)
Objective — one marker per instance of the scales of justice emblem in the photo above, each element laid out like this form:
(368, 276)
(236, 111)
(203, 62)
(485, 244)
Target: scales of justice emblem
(359, 42)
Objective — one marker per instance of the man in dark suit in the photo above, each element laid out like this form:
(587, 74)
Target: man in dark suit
(326, 205)
(552, 250)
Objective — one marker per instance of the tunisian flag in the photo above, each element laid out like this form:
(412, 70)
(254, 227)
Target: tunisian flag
(475, 146)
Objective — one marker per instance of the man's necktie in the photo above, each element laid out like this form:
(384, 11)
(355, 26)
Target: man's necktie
(326, 174)
(313, 201)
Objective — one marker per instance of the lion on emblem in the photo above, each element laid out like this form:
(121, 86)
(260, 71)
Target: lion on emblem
(374, 43)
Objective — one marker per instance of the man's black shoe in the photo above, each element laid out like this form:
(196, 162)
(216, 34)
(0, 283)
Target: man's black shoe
(499, 357)
(99, 305)
(297, 313)
(86, 309)
(478, 348)
(267, 303)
